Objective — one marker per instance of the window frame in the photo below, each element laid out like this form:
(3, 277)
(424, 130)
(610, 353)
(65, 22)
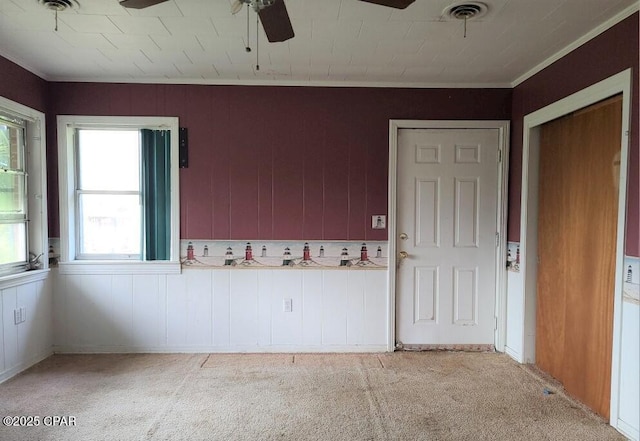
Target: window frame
(80, 255)
(12, 120)
(34, 156)
(71, 261)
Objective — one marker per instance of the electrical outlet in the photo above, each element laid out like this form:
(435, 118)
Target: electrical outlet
(19, 315)
(287, 305)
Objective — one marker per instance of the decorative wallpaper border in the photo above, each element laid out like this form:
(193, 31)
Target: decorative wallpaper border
(631, 286)
(285, 254)
(513, 257)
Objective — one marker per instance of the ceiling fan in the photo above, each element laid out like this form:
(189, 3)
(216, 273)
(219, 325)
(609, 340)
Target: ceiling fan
(273, 13)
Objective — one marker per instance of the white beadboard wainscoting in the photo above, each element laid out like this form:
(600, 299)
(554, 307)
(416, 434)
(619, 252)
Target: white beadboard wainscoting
(515, 316)
(629, 405)
(27, 342)
(210, 310)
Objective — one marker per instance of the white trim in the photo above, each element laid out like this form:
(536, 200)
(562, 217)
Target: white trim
(627, 12)
(289, 83)
(36, 160)
(66, 124)
(23, 278)
(119, 267)
(628, 431)
(24, 111)
(110, 349)
(616, 84)
(501, 215)
(10, 373)
(501, 222)
(517, 356)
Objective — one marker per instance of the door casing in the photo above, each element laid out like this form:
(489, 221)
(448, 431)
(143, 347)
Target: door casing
(501, 216)
(614, 85)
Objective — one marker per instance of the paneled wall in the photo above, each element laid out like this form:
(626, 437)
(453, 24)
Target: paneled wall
(204, 310)
(30, 341)
(611, 52)
(20, 85)
(276, 163)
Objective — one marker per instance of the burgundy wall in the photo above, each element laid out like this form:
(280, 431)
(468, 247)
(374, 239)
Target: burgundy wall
(611, 52)
(277, 162)
(21, 86)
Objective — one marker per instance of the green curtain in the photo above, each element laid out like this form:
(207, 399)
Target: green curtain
(156, 179)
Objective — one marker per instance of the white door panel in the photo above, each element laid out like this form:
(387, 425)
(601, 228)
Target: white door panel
(447, 197)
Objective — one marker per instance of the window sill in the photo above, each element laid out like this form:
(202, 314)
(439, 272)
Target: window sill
(118, 267)
(11, 280)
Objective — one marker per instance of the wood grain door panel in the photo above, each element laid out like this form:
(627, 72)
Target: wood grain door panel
(577, 225)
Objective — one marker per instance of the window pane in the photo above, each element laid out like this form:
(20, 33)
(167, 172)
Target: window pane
(10, 148)
(13, 243)
(109, 160)
(11, 195)
(110, 224)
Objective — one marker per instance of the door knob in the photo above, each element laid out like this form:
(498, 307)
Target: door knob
(401, 256)
(404, 236)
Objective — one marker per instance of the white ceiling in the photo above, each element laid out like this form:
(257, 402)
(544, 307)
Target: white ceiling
(340, 42)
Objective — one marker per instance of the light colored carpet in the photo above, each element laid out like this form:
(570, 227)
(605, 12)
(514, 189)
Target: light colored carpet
(401, 396)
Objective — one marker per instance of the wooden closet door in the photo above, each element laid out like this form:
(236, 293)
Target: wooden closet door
(577, 230)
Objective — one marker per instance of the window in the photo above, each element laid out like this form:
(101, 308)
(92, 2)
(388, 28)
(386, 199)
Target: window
(23, 211)
(13, 197)
(108, 194)
(121, 181)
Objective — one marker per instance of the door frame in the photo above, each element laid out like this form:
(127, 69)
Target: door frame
(503, 127)
(614, 85)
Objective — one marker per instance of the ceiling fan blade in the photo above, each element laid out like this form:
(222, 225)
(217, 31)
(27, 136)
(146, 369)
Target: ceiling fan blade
(140, 4)
(276, 23)
(398, 4)
(236, 6)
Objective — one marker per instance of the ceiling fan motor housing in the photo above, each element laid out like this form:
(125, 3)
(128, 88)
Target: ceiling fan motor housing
(258, 5)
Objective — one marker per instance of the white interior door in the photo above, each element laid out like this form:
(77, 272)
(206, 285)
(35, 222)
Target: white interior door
(447, 195)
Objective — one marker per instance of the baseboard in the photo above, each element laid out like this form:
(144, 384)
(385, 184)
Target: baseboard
(517, 356)
(630, 432)
(215, 349)
(10, 373)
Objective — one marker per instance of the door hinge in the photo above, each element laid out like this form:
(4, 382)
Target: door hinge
(495, 323)
(499, 155)
(497, 239)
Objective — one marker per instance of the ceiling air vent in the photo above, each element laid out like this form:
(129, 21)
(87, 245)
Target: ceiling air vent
(59, 5)
(466, 10)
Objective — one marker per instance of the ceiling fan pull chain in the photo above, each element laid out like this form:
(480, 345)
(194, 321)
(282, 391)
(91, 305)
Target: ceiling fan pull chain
(465, 26)
(257, 42)
(247, 47)
(56, 21)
